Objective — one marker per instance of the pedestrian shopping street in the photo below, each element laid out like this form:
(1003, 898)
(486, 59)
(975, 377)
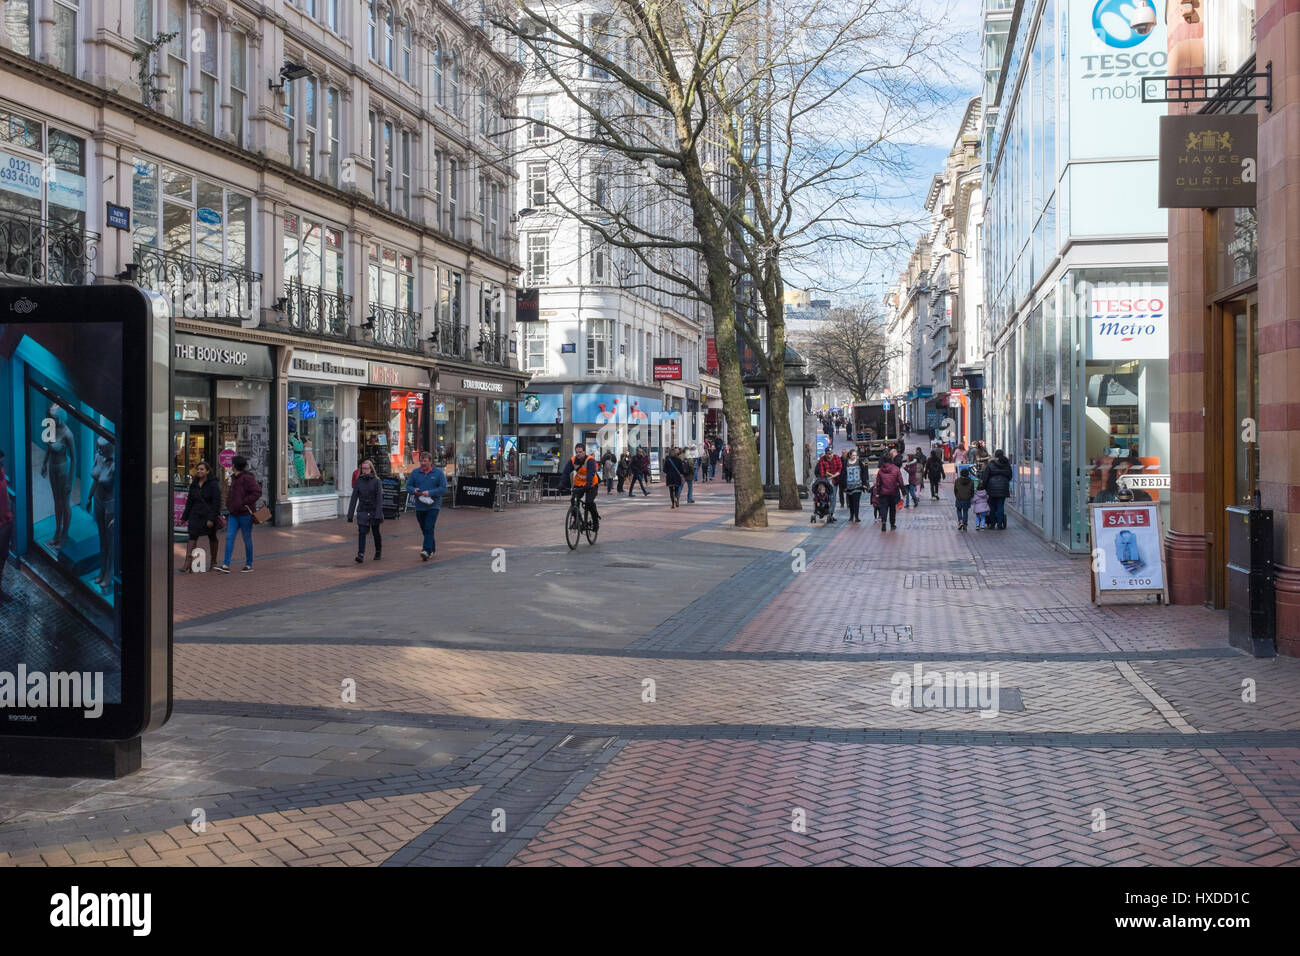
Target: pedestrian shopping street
(684, 692)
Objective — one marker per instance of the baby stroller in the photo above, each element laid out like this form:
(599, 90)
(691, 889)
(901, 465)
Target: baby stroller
(823, 493)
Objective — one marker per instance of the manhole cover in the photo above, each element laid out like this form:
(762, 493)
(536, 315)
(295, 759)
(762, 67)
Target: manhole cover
(950, 582)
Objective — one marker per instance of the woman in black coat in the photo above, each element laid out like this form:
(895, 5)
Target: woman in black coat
(996, 480)
(934, 471)
(202, 513)
(367, 506)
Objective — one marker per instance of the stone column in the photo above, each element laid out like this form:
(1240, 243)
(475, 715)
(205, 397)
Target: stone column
(1277, 34)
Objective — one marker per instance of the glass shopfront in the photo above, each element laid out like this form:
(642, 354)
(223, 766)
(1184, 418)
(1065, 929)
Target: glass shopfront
(313, 439)
(221, 407)
(393, 429)
(502, 438)
(475, 429)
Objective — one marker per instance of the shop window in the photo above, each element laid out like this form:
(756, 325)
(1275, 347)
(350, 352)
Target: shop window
(502, 438)
(312, 446)
(455, 425)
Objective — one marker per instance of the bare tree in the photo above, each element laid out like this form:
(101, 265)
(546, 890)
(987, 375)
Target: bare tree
(851, 349)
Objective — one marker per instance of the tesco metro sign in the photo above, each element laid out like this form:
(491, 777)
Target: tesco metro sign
(1128, 323)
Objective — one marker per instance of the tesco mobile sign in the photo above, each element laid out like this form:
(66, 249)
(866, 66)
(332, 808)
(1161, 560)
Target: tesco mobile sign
(1109, 58)
(1128, 322)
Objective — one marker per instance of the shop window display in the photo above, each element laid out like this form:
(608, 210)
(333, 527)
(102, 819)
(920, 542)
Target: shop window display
(312, 440)
(502, 438)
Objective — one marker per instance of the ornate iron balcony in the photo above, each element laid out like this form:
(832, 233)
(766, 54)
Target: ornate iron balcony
(453, 340)
(395, 328)
(196, 289)
(312, 310)
(46, 252)
(492, 346)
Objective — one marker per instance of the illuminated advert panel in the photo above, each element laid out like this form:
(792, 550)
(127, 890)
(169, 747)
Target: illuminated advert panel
(85, 593)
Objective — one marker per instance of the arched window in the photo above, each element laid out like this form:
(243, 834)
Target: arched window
(388, 37)
(437, 73)
(407, 58)
(372, 20)
(453, 76)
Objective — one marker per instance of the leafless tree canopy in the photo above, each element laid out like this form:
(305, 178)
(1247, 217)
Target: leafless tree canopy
(851, 349)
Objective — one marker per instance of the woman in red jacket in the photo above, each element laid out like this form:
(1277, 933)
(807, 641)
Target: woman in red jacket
(241, 502)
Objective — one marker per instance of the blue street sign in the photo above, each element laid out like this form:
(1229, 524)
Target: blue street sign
(886, 406)
(119, 217)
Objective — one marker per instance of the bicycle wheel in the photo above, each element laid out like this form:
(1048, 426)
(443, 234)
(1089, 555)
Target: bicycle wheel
(572, 527)
(591, 531)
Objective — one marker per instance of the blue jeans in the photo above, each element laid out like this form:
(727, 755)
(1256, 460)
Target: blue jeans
(244, 525)
(963, 511)
(690, 490)
(909, 491)
(997, 512)
(427, 520)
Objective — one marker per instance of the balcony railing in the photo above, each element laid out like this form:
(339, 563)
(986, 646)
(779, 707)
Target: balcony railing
(196, 289)
(45, 252)
(452, 341)
(395, 328)
(492, 346)
(315, 311)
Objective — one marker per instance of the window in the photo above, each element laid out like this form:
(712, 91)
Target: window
(392, 279)
(388, 166)
(143, 20)
(389, 39)
(199, 218)
(374, 155)
(331, 12)
(437, 75)
(599, 263)
(494, 217)
(599, 335)
(311, 121)
(372, 29)
(453, 193)
(453, 76)
(176, 62)
(439, 178)
(407, 59)
(332, 132)
(600, 186)
(64, 54)
(238, 86)
(313, 253)
(209, 85)
(535, 346)
(405, 199)
(537, 185)
(539, 259)
(291, 119)
(537, 115)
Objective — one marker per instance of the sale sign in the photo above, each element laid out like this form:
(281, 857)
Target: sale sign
(1127, 553)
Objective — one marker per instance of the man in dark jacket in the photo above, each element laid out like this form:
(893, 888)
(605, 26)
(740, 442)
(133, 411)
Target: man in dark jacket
(367, 506)
(640, 467)
(889, 483)
(996, 480)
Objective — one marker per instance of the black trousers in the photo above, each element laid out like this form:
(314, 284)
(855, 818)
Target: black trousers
(888, 510)
(855, 499)
(934, 486)
(635, 478)
(362, 531)
(621, 480)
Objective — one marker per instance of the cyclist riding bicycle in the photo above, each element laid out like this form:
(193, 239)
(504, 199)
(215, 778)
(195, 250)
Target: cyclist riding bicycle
(582, 475)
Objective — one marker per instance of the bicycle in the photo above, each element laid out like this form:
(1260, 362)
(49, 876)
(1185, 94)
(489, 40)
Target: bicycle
(578, 521)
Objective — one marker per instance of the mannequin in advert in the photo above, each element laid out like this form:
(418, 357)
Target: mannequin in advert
(102, 504)
(6, 528)
(60, 467)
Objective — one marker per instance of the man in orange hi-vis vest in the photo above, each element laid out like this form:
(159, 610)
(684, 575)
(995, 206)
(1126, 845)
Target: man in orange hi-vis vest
(582, 474)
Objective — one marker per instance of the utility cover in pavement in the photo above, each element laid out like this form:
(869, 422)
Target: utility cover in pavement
(877, 633)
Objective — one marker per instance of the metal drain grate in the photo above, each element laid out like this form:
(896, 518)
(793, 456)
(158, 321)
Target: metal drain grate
(950, 582)
(878, 634)
(1055, 615)
(584, 744)
(629, 564)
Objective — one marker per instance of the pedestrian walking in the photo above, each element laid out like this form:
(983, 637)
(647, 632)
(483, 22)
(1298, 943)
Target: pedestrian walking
(715, 453)
(426, 486)
(959, 454)
(691, 460)
(912, 469)
(853, 481)
(963, 492)
(844, 467)
(889, 485)
(367, 507)
(608, 463)
(981, 508)
(996, 478)
(674, 476)
(202, 514)
(934, 472)
(640, 468)
(623, 470)
(241, 502)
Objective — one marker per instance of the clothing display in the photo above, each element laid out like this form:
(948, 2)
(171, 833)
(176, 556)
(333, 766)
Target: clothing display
(103, 478)
(58, 468)
(299, 459)
(311, 469)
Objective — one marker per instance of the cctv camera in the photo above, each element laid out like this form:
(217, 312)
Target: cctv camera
(1144, 19)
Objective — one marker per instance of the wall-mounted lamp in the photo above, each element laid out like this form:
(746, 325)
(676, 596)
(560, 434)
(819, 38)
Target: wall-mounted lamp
(433, 336)
(288, 73)
(369, 323)
(130, 273)
(281, 304)
(523, 213)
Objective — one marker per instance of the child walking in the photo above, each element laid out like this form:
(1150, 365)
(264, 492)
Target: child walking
(981, 509)
(963, 490)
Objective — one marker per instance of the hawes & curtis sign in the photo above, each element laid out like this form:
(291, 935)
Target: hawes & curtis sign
(1208, 162)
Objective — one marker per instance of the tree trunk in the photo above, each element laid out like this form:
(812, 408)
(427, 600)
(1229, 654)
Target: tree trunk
(778, 406)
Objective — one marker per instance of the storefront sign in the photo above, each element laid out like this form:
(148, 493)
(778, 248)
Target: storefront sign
(479, 385)
(197, 353)
(1145, 482)
(711, 355)
(1208, 162)
(1127, 553)
(668, 369)
(1128, 322)
(68, 190)
(476, 492)
(20, 176)
(394, 497)
(118, 217)
(956, 382)
(1108, 60)
(319, 367)
(398, 376)
(526, 305)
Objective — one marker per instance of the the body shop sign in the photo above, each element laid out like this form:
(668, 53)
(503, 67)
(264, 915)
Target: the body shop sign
(1128, 322)
(1109, 58)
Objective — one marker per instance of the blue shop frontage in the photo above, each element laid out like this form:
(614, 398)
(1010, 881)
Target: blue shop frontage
(555, 417)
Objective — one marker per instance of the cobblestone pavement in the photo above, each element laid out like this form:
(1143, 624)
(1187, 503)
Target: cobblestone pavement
(685, 692)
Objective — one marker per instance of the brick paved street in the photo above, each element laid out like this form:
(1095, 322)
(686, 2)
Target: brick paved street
(686, 693)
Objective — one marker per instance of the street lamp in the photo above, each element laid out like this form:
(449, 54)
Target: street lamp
(288, 73)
